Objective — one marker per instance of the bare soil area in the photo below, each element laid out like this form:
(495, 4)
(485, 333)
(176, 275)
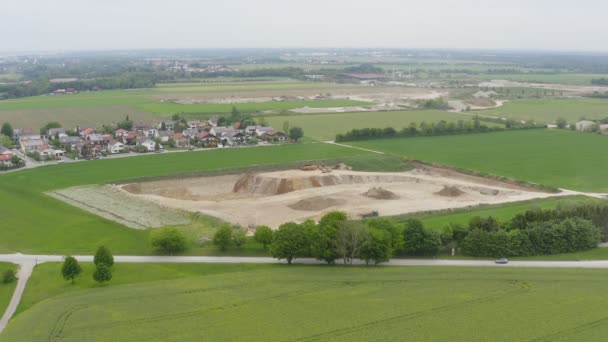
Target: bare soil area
(114, 204)
(274, 198)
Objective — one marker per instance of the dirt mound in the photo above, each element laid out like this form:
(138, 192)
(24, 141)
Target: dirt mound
(316, 203)
(480, 102)
(134, 188)
(273, 184)
(380, 193)
(450, 191)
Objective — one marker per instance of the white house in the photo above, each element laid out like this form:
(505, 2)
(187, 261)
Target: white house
(115, 147)
(148, 143)
(260, 131)
(221, 131)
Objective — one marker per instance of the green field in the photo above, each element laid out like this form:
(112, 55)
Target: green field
(166, 108)
(106, 107)
(501, 212)
(6, 290)
(277, 303)
(548, 111)
(36, 223)
(557, 158)
(324, 127)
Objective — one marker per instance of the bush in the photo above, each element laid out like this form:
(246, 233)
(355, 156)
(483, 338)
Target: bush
(239, 237)
(263, 235)
(102, 273)
(169, 240)
(223, 238)
(9, 276)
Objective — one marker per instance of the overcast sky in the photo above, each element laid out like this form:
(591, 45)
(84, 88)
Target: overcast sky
(33, 25)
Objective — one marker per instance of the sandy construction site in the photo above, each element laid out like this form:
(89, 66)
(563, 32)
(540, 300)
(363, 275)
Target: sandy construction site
(274, 198)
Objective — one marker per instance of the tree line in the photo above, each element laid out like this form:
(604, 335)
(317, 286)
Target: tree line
(433, 129)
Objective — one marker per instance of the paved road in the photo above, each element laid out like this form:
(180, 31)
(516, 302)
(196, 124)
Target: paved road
(27, 263)
(33, 259)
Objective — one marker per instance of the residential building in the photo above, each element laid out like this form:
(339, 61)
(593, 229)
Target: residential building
(115, 147)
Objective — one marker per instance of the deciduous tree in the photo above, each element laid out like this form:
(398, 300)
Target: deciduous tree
(70, 269)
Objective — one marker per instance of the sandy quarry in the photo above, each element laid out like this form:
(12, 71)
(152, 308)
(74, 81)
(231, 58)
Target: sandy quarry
(276, 197)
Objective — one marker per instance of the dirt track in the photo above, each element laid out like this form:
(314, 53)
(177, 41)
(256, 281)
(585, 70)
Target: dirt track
(277, 197)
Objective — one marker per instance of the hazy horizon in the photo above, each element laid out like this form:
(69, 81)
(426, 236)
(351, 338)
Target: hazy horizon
(79, 25)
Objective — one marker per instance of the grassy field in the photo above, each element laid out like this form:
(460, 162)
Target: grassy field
(6, 290)
(558, 158)
(105, 107)
(165, 108)
(549, 110)
(277, 303)
(325, 126)
(36, 223)
(501, 212)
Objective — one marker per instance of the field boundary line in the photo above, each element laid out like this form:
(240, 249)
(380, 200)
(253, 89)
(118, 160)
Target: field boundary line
(355, 147)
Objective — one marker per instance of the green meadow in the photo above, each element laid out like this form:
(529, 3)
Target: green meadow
(558, 158)
(324, 127)
(313, 303)
(548, 111)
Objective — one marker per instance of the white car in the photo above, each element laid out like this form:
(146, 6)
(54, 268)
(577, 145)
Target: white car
(502, 261)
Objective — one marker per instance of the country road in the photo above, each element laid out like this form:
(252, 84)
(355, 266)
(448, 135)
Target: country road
(28, 262)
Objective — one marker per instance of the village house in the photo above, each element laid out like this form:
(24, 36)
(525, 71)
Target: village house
(221, 131)
(148, 143)
(86, 132)
(115, 147)
(119, 133)
(69, 142)
(207, 139)
(277, 135)
(166, 125)
(47, 152)
(181, 140)
(56, 132)
(235, 138)
(6, 156)
(30, 143)
(194, 124)
(131, 137)
(189, 132)
(164, 136)
(260, 131)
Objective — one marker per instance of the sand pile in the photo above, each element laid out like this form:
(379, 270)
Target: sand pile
(380, 193)
(450, 191)
(316, 203)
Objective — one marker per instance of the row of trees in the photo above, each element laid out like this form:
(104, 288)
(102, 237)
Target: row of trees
(430, 129)
(543, 238)
(334, 237)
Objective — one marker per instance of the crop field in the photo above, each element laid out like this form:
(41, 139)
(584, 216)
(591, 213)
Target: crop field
(314, 303)
(559, 158)
(324, 127)
(57, 227)
(549, 110)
